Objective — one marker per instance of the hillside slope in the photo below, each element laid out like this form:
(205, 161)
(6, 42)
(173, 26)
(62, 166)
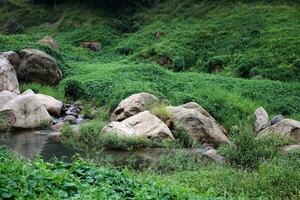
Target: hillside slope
(256, 39)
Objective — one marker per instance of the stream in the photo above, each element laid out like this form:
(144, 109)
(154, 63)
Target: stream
(45, 143)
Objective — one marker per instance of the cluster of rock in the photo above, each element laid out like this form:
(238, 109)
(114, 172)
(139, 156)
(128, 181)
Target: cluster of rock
(29, 110)
(280, 126)
(133, 118)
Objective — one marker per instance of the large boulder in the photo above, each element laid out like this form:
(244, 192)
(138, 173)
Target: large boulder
(50, 42)
(13, 58)
(133, 105)
(52, 105)
(38, 67)
(7, 119)
(193, 105)
(8, 77)
(5, 97)
(198, 126)
(143, 124)
(28, 111)
(261, 119)
(287, 128)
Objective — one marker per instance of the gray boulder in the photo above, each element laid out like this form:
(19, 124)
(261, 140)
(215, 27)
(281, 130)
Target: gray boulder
(8, 77)
(7, 119)
(287, 128)
(28, 111)
(38, 67)
(143, 124)
(52, 105)
(5, 97)
(198, 126)
(13, 58)
(133, 105)
(261, 119)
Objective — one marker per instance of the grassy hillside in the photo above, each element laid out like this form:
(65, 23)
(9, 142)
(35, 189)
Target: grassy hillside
(249, 39)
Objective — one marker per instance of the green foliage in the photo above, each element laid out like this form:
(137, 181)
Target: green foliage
(40, 89)
(22, 179)
(89, 136)
(160, 111)
(74, 89)
(249, 152)
(183, 138)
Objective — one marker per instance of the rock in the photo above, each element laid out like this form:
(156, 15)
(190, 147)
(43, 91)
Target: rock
(94, 46)
(287, 128)
(164, 61)
(198, 126)
(8, 77)
(133, 105)
(276, 119)
(214, 155)
(13, 58)
(7, 119)
(119, 128)
(143, 124)
(71, 119)
(5, 97)
(72, 113)
(193, 105)
(52, 105)
(50, 42)
(38, 67)
(261, 119)
(57, 126)
(290, 148)
(29, 91)
(29, 112)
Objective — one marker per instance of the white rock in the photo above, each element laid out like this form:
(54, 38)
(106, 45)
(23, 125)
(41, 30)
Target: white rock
(261, 119)
(143, 124)
(8, 77)
(133, 105)
(198, 126)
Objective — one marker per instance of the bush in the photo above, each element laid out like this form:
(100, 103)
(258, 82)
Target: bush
(183, 138)
(160, 111)
(248, 152)
(74, 89)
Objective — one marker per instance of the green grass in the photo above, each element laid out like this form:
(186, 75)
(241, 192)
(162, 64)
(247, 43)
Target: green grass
(22, 179)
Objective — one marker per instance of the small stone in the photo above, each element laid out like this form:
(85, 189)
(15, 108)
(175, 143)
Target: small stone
(276, 119)
(71, 119)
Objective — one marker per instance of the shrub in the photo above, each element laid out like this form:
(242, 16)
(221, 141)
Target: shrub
(160, 111)
(183, 138)
(248, 152)
(116, 142)
(74, 89)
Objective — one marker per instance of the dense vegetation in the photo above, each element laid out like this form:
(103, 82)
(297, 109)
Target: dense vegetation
(229, 56)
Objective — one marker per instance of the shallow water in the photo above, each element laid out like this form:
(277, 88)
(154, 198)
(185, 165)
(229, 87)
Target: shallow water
(46, 144)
